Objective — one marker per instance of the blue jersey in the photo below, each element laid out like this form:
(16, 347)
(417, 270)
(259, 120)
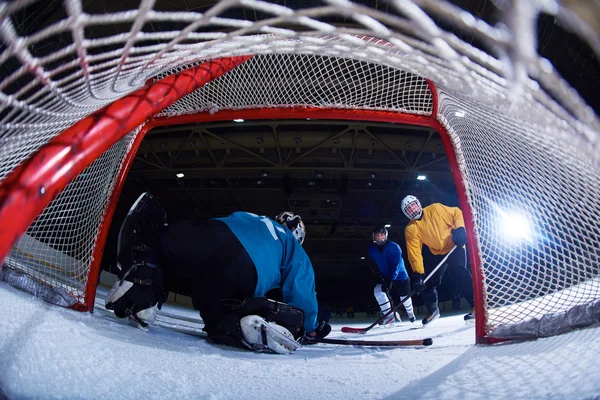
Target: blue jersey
(389, 261)
(280, 262)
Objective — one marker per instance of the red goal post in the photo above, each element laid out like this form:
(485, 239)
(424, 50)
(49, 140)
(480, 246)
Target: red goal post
(26, 192)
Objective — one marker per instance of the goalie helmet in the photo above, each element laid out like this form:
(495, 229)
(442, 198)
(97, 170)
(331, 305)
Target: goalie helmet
(380, 236)
(411, 207)
(294, 223)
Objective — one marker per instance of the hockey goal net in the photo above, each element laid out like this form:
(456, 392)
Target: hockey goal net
(80, 91)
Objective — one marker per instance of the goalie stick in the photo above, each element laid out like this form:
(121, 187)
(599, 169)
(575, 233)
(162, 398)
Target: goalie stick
(348, 329)
(375, 343)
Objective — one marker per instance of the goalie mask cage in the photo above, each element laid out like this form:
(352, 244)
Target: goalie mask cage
(522, 145)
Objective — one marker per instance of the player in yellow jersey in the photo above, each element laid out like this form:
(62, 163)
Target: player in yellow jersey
(440, 228)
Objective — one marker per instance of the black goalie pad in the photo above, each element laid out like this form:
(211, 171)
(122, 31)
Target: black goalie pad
(138, 259)
(290, 317)
(146, 292)
(228, 330)
(140, 232)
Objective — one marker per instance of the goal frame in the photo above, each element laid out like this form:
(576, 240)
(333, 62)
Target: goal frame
(31, 186)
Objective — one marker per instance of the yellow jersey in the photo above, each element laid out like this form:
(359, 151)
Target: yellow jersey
(434, 229)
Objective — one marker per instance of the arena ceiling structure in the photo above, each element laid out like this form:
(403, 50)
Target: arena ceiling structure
(342, 177)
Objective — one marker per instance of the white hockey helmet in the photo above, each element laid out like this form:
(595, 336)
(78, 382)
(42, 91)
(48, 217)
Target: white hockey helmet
(411, 207)
(294, 223)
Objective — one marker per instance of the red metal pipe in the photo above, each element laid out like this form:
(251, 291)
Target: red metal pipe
(32, 185)
(94, 270)
(473, 248)
(312, 113)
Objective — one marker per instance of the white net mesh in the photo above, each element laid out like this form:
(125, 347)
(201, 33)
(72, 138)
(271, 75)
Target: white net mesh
(525, 141)
(59, 245)
(536, 209)
(298, 80)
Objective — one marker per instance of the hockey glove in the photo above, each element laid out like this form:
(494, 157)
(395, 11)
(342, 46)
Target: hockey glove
(387, 284)
(459, 237)
(324, 315)
(419, 285)
(322, 330)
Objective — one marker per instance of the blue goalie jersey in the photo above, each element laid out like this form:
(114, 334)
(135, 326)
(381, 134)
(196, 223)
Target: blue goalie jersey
(280, 262)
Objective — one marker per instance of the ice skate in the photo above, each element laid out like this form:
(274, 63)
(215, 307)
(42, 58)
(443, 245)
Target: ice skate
(411, 317)
(388, 321)
(431, 317)
(470, 317)
(136, 324)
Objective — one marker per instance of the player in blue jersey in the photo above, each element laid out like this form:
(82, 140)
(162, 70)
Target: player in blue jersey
(395, 283)
(229, 264)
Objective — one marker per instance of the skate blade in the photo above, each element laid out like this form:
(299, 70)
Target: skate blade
(136, 324)
(430, 321)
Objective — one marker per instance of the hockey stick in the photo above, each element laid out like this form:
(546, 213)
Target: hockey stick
(347, 329)
(378, 343)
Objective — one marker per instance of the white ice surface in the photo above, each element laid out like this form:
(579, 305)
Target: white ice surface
(48, 352)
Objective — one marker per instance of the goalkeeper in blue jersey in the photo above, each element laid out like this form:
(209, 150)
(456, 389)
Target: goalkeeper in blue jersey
(229, 264)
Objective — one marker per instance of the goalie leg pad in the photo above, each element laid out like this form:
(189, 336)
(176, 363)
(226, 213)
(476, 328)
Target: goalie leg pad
(140, 232)
(277, 319)
(290, 317)
(261, 335)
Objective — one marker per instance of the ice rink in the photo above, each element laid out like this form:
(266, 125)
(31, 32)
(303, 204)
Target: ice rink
(48, 352)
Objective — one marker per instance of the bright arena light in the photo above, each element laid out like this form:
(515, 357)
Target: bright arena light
(516, 226)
